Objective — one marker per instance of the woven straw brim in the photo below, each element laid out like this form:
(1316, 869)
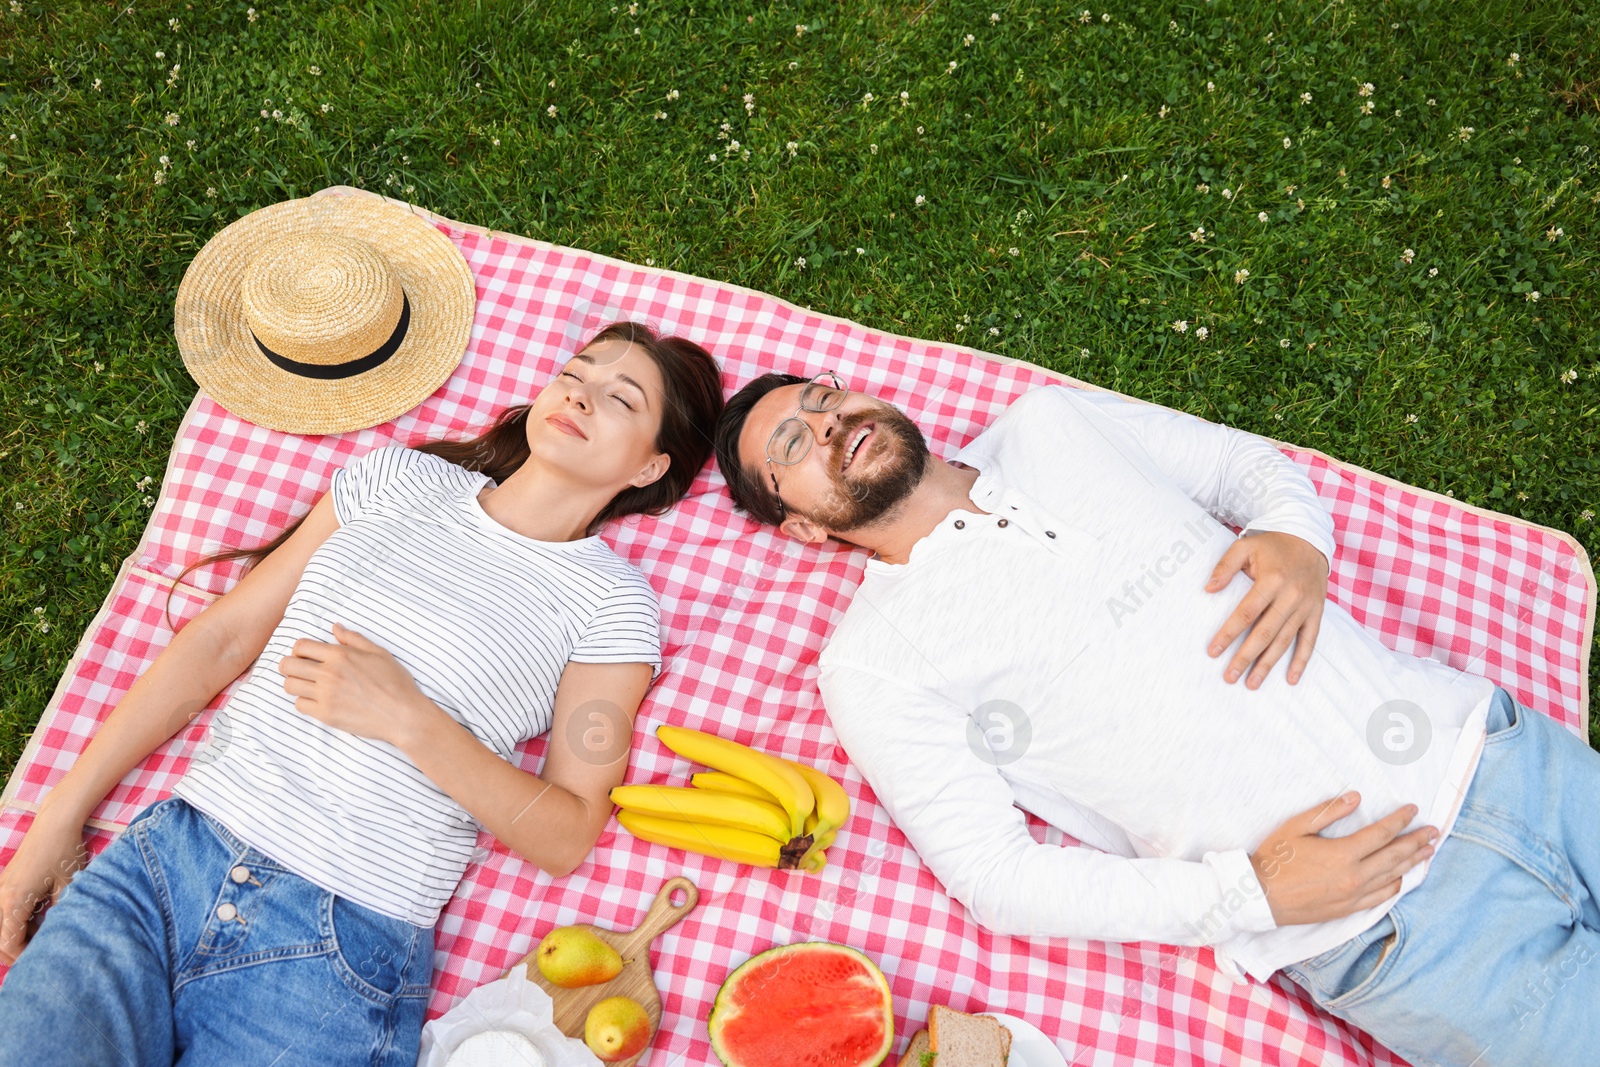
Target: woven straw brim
(220, 353)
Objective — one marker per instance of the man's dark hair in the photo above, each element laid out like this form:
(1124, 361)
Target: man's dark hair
(749, 487)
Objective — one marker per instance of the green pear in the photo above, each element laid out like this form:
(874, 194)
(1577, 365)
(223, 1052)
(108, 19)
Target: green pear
(571, 956)
(616, 1028)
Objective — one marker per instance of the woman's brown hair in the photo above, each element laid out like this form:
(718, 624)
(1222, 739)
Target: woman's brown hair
(693, 386)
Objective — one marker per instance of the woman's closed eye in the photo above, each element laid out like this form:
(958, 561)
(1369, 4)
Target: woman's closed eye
(614, 396)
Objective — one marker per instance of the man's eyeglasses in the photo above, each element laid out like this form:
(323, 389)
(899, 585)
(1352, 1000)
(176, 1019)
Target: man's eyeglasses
(793, 438)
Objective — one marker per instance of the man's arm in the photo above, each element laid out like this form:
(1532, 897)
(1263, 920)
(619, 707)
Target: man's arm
(1240, 478)
(1286, 544)
(958, 814)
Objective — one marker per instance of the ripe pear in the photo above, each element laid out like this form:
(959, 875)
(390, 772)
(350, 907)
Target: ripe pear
(570, 956)
(616, 1028)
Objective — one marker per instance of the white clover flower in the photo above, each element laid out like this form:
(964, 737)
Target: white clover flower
(712, 158)
(860, 251)
(733, 146)
(1105, 18)
(921, 200)
(649, 262)
(1433, 272)
(1288, 190)
(1365, 90)
(1553, 232)
(1085, 17)
(1585, 515)
(1512, 59)
(800, 263)
(1202, 333)
(633, 9)
(994, 16)
(44, 627)
(799, 28)
(1014, 250)
(250, 13)
(952, 68)
(1385, 182)
(1198, 234)
(919, 131)
(905, 98)
(959, 327)
(189, 145)
(1411, 418)
(161, 177)
(966, 42)
(672, 94)
(326, 108)
(1261, 216)
(139, 427)
(994, 331)
(1465, 133)
(1408, 255)
(1083, 353)
(552, 111)
(866, 98)
(794, 64)
(1532, 297)
(96, 85)
(1284, 343)
(1366, 109)
(1287, 143)
(660, 115)
(1202, 188)
(165, 162)
(211, 191)
(1431, 101)
(1165, 110)
(873, 148)
(1569, 377)
(277, 114)
(1211, 87)
(1305, 98)
(793, 147)
(172, 118)
(161, 55)
(1181, 326)
(315, 71)
(1227, 194)
(1240, 276)
(263, 112)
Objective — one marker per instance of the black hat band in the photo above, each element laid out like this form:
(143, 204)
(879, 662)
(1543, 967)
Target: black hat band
(330, 371)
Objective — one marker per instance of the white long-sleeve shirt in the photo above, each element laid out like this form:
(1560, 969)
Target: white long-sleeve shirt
(1052, 654)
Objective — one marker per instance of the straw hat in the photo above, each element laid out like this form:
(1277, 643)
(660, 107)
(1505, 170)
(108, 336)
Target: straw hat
(324, 314)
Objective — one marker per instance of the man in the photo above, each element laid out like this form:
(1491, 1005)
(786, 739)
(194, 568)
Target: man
(1057, 617)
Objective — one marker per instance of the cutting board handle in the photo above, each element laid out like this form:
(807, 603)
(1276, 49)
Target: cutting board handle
(662, 916)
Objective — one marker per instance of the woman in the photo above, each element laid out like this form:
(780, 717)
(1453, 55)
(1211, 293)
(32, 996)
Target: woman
(439, 605)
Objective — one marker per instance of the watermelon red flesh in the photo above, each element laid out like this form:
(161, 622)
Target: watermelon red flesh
(813, 1004)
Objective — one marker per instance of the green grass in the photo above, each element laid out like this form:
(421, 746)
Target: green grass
(1078, 143)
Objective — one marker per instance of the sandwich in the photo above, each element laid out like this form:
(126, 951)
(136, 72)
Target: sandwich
(956, 1039)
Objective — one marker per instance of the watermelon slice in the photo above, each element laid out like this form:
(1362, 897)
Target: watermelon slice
(812, 1004)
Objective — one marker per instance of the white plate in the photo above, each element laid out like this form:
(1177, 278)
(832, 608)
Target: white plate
(1029, 1045)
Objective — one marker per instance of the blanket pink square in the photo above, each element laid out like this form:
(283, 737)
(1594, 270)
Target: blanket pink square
(745, 612)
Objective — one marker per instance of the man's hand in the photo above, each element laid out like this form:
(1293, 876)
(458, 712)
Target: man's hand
(1311, 879)
(1291, 583)
(355, 685)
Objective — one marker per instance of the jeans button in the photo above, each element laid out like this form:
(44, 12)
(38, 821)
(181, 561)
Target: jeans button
(240, 873)
(226, 911)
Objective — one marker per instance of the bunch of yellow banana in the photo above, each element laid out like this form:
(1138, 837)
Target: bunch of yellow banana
(751, 807)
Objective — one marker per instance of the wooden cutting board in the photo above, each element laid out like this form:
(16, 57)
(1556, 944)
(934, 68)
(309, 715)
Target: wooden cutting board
(637, 978)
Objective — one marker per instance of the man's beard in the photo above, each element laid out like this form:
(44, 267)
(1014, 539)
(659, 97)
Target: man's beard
(901, 457)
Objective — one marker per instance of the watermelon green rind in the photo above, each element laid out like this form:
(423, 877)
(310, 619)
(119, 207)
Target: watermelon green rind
(804, 1037)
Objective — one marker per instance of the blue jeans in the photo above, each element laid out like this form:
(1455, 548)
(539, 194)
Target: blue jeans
(1495, 958)
(179, 943)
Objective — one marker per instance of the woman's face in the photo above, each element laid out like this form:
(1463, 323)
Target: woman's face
(597, 420)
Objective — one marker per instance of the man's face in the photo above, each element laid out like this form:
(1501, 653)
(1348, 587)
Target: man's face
(866, 457)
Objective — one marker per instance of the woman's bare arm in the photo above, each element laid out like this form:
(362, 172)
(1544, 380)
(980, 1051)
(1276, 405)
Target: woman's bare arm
(199, 662)
(551, 819)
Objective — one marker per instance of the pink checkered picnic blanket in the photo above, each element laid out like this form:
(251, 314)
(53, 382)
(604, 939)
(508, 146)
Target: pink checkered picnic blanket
(745, 612)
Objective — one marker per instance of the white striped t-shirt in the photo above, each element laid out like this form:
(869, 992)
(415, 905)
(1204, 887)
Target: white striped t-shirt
(485, 620)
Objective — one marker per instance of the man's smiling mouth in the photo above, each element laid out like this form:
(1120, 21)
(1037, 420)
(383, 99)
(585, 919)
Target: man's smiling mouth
(857, 442)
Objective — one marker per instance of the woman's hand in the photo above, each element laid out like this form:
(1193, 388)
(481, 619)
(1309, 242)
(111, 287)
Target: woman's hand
(355, 685)
(1284, 605)
(50, 854)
